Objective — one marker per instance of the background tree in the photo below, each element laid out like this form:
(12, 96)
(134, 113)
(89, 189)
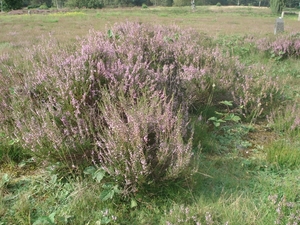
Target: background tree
(58, 3)
(181, 2)
(140, 2)
(277, 5)
(84, 3)
(162, 2)
(292, 3)
(37, 3)
(12, 4)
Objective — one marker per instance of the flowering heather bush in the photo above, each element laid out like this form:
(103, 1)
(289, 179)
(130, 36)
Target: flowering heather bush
(121, 99)
(281, 47)
(142, 138)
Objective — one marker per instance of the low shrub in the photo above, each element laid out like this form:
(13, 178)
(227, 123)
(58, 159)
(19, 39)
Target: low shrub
(43, 6)
(143, 139)
(121, 99)
(282, 47)
(33, 6)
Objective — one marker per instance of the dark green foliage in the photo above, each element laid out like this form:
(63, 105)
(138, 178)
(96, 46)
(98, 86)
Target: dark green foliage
(11, 151)
(12, 4)
(33, 6)
(277, 6)
(181, 2)
(162, 2)
(44, 6)
(94, 4)
(85, 3)
(142, 3)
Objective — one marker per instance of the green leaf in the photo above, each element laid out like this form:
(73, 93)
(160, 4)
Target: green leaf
(110, 34)
(51, 217)
(105, 220)
(99, 175)
(236, 118)
(89, 170)
(12, 90)
(107, 186)
(106, 194)
(229, 116)
(217, 124)
(13, 141)
(219, 113)
(43, 220)
(116, 189)
(133, 203)
(232, 117)
(213, 118)
(227, 103)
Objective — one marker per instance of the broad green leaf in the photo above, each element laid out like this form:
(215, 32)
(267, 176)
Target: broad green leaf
(217, 124)
(219, 113)
(106, 194)
(227, 103)
(213, 118)
(229, 116)
(43, 220)
(51, 217)
(232, 117)
(107, 186)
(105, 220)
(236, 118)
(116, 189)
(133, 203)
(89, 170)
(99, 175)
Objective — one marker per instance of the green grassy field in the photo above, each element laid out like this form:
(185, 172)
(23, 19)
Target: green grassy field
(213, 20)
(249, 172)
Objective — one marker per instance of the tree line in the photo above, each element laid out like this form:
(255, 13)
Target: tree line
(276, 5)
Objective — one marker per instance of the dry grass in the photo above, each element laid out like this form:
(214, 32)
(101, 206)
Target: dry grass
(24, 30)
